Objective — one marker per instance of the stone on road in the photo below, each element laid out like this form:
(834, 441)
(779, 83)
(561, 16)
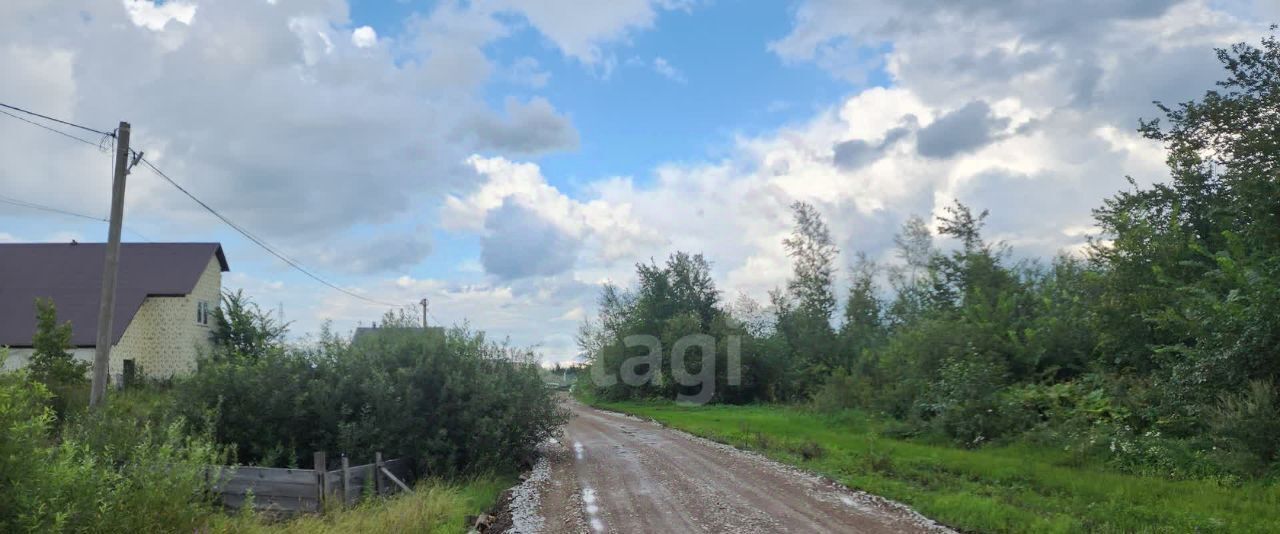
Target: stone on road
(616, 473)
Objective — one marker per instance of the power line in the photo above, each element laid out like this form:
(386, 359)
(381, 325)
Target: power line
(59, 121)
(34, 206)
(98, 145)
(137, 157)
(51, 209)
(255, 239)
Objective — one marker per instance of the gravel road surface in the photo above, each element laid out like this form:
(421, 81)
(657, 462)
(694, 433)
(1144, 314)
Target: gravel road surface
(616, 473)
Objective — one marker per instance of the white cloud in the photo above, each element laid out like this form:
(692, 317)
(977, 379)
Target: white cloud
(148, 14)
(259, 109)
(998, 112)
(605, 224)
(528, 72)
(581, 30)
(364, 37)
(531, 127)
(661, 66)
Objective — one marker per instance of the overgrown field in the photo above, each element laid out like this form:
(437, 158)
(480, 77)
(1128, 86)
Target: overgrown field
(1011, 488)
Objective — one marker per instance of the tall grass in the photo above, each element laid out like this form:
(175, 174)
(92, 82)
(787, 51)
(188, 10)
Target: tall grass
(435, 506)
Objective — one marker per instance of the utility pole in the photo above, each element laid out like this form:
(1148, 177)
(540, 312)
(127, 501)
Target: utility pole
(102, 351)
(424, 302)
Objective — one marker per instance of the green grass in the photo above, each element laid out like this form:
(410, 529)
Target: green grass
(434, 507)
(994, 489)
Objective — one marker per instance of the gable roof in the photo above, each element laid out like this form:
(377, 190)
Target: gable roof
(71, 275)
(367, 332)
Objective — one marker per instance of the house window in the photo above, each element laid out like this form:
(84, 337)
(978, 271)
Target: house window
(202, 312)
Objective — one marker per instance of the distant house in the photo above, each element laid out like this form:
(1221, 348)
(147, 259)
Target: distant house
(365, 333)
(165, 296)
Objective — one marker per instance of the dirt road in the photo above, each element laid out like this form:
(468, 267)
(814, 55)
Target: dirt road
(614, 473)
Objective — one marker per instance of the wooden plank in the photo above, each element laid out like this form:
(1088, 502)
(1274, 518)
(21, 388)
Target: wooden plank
(319, 465)
(273, 474)
(295, 490)
(377, 473)
(346, 480)
(356, 477)
(332, 483)
(264, 487)
(402, 469)
(395, 480)
(360, 477)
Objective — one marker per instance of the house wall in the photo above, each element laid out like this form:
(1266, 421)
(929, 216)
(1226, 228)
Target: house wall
(164, 338)
(18, 358)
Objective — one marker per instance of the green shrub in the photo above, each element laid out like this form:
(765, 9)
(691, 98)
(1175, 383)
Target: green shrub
(53, 365)
(842, 391)
(1250, 421)
(154, 481)
(453, 401)
(967, 404)
(51, 362)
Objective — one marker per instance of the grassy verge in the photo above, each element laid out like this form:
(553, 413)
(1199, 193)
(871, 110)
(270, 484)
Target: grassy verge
(434, 507)
(994, 489)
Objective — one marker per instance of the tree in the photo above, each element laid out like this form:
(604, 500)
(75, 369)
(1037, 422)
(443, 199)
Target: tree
(243, 330)
(913, 280)
(51, 362)
(1192, 263)
(863, 326)
(814, 257)
(805, 312)
(915, 247)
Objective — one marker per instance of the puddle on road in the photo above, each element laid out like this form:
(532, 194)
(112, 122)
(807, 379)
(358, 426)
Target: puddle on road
(578, 450)
(591, 508)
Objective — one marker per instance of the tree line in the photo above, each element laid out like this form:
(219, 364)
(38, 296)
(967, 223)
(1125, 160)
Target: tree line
(1157, 349)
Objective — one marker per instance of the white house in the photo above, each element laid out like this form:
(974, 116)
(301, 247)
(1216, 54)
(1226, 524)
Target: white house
(165, 293)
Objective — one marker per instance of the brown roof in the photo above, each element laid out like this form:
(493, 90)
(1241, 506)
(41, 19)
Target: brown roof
(71, 275)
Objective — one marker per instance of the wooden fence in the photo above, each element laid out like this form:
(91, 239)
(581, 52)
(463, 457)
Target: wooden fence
(308, 490)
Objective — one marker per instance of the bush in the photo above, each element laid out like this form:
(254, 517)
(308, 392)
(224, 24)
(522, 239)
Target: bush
(968, 406)
(453, 401)
(51, 363)
(1250, 421)
(842, 391)
(153, 481)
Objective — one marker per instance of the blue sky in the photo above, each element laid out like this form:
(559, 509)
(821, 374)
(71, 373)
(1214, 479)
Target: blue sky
(631, 117)
(505, 157)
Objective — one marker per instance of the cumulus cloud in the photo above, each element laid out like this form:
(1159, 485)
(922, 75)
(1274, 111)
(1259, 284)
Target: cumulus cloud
(1002, 110)
(857, 153)
(364, 37)
(269, 112)
(966, 129)
(153, 16)
(581, 29)
(383, 252)
(531, 127)
(520, 243)
(604, 222)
